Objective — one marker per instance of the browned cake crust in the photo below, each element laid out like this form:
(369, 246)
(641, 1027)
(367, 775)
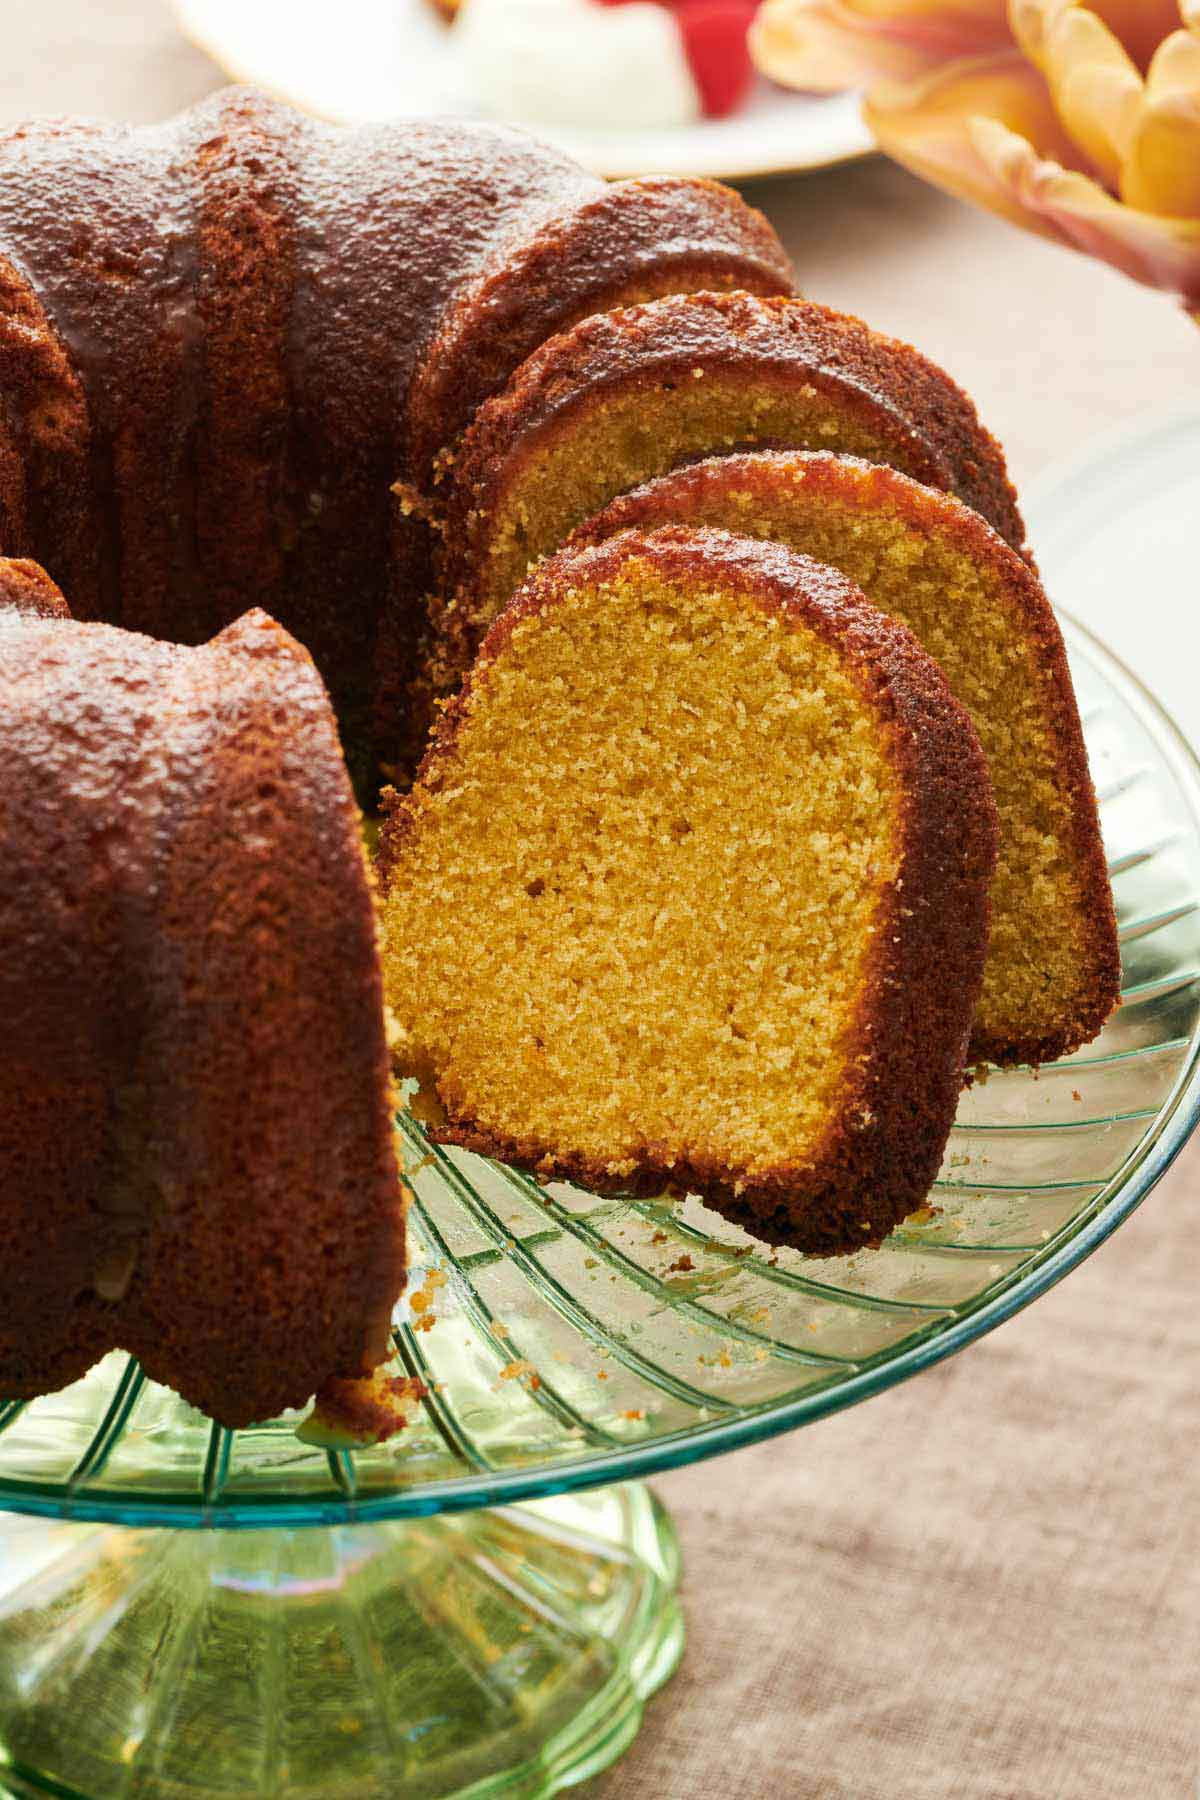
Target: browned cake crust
(691, 495)
(26, 588)
(45, 443)
(911, 402)
(196, 1149)
(634, 240)
(883, 1148)
(210, 329)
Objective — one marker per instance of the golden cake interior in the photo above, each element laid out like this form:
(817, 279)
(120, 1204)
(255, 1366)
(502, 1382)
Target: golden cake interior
(623, 438)
(965, 614)
(655, 859)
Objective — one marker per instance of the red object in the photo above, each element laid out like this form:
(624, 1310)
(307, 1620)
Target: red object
(714, 37)
(714, 41)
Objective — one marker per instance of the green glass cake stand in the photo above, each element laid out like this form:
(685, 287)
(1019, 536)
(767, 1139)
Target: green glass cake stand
(482, 1604)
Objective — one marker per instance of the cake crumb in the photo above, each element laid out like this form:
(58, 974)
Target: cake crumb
(355, 1413)
(923, 1215)
(520, 1366)
(420, 1302)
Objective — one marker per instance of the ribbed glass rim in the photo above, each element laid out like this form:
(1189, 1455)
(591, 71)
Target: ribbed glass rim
(943, 1336)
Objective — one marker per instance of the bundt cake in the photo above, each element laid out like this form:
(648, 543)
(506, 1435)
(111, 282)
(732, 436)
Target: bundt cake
(196, 1151)
(691, 891)
(633, 392)
(361, 381)
(1053, 969)
(224, 338)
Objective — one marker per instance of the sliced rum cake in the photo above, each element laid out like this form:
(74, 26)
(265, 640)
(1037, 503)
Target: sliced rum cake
(631, 393)
(1053, 970)
(691, 891)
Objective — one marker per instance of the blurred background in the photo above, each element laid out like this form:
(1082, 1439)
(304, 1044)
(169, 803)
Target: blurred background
(1055, 348)
(984, 1584)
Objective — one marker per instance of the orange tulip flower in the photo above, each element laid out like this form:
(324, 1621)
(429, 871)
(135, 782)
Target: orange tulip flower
(1081, 122)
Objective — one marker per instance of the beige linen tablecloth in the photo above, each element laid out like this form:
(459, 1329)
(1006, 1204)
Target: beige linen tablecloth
(985, 1583)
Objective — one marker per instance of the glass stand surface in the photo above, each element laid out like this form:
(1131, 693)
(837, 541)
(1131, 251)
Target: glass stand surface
(501, 1651)
(471, 1607)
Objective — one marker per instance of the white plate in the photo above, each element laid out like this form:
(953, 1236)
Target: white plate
(1115, 531)
(380, 59)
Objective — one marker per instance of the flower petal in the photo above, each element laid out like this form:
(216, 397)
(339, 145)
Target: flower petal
(928, 126)
(988, 132)
(1095, 87)
(826, 45)
(1160, 252)
(1138, 25)
(1002, 86)
(1162, 164)
(1141, 25)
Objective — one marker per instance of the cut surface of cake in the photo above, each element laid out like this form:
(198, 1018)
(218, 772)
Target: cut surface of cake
(1053, 969)
(632, 393)
(224, 338)
(196, 1144)
(691, 890)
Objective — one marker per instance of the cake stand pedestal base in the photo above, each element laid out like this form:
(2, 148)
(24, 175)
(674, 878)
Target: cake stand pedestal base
(490, 1652)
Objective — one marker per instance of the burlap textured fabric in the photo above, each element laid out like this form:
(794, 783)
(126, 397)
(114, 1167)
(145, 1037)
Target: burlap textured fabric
(983, 1585)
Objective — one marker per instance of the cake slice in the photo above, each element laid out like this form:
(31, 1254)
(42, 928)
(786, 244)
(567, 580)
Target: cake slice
(1053, 971)
(636, 391)
(691, 892)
